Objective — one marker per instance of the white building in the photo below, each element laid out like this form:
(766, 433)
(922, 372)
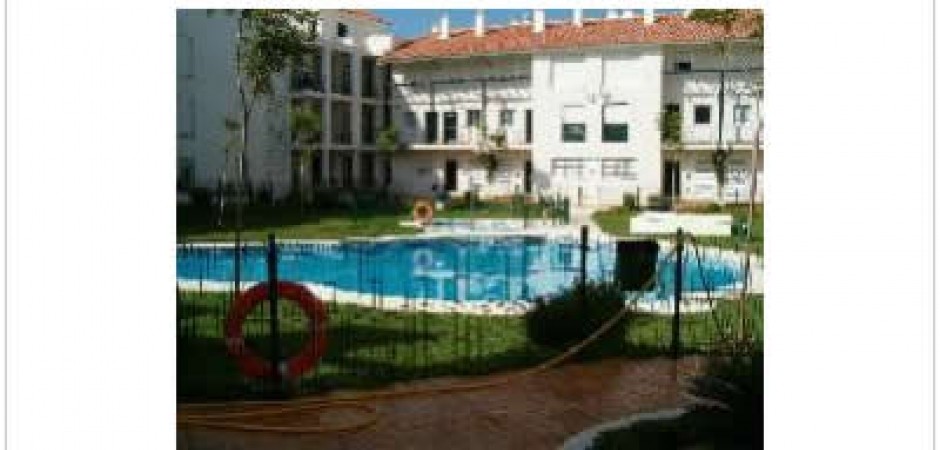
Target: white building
(341, 80)
(582, 102)
(578, 104)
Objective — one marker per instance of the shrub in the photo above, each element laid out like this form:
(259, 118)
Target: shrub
(629, 202)
(728, 413)
(658, 203)
(733, 394)
(566, 320)
(698, 207)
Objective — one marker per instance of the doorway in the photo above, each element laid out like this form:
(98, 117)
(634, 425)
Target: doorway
(450, 175)
(347, 171)
(671, 179)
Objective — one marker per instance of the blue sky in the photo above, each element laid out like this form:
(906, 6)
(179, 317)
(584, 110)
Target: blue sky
(416, 22)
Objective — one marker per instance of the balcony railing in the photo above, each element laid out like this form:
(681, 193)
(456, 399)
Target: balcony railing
(342, 137)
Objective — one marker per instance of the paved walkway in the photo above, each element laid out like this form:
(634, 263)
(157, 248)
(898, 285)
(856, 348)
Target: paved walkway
(536, 412)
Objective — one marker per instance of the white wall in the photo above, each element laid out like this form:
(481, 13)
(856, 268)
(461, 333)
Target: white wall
(415, 172)
(700, 86)
(577, 79)
(207, 95)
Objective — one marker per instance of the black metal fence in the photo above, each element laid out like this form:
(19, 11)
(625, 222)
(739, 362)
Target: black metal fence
(374, 338)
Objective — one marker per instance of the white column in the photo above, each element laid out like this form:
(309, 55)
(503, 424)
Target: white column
(327, 112)
(355, 109)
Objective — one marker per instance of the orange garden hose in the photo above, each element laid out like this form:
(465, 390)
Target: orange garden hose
(229, 420)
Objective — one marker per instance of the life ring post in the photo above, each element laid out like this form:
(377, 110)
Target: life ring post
(276, 389)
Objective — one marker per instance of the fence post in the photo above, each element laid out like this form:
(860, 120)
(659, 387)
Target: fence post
(275, 329)
(678, 297)
(584, 250)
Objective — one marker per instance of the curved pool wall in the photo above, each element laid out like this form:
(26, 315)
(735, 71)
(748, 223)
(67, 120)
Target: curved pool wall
(491, 269)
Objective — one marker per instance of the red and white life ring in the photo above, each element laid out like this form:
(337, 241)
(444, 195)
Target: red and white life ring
(255, 366)
(423, 212)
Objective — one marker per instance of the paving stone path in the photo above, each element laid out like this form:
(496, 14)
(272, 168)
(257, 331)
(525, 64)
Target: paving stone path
(537, 412)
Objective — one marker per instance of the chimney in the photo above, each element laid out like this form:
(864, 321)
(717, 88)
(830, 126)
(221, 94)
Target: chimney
(612, 14)
(648, 16)
(480, 27)
(538, 21)
(577, 17)
(445, 27)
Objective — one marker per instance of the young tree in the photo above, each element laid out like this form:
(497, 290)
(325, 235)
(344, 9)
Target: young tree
(726, 18)
(268, 42)
(743, 24)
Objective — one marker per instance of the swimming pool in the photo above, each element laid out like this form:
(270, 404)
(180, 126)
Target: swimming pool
(495, 269)
(451, 269)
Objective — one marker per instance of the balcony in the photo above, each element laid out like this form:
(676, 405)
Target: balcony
(465, 139)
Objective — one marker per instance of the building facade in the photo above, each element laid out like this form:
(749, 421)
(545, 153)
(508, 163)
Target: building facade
(587, 108)
(341, 80)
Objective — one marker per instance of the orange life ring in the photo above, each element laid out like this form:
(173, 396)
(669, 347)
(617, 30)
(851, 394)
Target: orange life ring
(255, 366)
(423, 212)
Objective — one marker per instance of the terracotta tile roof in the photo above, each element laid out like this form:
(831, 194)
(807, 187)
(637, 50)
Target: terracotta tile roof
(366, 14)
(559, 35)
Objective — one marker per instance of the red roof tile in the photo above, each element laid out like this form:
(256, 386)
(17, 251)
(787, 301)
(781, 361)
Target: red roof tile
(366, 14)
(597, 32)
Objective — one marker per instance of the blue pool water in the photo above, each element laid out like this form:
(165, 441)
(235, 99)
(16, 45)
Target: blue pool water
(461, 269)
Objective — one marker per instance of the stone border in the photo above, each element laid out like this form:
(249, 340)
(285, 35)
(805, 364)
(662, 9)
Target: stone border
(584, 439)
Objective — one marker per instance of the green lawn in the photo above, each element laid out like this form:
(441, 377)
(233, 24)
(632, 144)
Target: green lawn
(616, 221)
(369, 347)
(288, 222)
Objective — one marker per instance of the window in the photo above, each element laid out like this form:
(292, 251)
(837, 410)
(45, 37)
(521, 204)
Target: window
(342, 30)
(368, 76)
(742, 114)
(308, 74)
(450, 127)
(618, 169)
(473, 118)
(615, 128)
(430, 127)
(505, 118)
(682, 63)
(572, 132)
(569, 168)
(368, 124)
(185, 56)
(528, 126)
(341, 71)
(186, 116)
(572, 127)
(367, 170)
(185, 173)
(703, 114)
(411, 120)
(341, 122)
(387, 170)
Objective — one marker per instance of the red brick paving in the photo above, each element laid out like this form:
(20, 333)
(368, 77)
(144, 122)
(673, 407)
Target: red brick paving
(540, 411)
